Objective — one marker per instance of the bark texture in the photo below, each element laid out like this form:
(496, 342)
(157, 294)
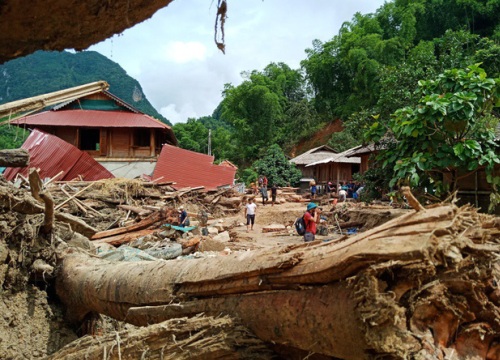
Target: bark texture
(203, 338)
(423, 285)
(14, 158)
(63, 24)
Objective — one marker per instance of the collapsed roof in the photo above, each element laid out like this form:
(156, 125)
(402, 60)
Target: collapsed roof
(191, 169)
(53, 155)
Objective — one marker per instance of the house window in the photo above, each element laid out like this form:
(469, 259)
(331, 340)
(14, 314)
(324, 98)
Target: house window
(142, 138)
(90, 139)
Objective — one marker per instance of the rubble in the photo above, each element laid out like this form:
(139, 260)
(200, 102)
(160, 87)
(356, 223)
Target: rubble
(404, 283)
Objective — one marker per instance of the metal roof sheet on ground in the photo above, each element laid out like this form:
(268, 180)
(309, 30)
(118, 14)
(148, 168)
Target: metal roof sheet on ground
(51, 155)
(312, 155)
(191, 169)
(90, 118)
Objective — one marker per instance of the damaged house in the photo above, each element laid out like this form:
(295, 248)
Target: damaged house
(122, 139)
(324, 164)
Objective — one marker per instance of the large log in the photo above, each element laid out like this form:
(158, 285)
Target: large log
(14, 158)
(399, 290)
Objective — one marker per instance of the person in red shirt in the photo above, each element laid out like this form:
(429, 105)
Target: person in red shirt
(311, 218)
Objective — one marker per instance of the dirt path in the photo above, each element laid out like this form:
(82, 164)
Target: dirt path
(283, 214)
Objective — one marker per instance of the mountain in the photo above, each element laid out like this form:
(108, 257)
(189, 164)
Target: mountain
(44, 72)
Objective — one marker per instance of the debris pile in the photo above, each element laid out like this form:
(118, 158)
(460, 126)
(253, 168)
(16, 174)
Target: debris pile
(421, 285)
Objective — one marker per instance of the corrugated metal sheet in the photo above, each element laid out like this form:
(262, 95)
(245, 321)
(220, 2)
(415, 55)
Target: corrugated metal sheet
(52, 155)
(90, 118)
(337, 158)
(313, 155)
(191, 169)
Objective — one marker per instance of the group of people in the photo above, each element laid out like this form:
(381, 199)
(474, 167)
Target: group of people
(311, 218)
(262, 183)
(346, 190)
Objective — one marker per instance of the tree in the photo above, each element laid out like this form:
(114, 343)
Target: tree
(450, 130)
(192, 135)
(277, 168)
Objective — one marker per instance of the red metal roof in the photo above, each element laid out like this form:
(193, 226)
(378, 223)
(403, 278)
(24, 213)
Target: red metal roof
(191, 169)
(90, 118)
(51, 155)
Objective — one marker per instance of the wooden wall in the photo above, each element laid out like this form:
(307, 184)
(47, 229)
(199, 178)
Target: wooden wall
(114, 142)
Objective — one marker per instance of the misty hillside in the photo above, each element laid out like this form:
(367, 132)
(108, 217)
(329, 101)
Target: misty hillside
(44, 72)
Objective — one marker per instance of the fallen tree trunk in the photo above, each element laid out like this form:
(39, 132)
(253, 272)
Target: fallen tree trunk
(203, 338)
(406, 288)
(124, 238)
(162, 215)
(14, 158)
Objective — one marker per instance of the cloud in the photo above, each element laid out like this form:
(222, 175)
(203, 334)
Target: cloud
(182, 52)
(178, 115)
(182, 73)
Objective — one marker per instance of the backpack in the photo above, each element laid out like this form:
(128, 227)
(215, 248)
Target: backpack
(300, 225)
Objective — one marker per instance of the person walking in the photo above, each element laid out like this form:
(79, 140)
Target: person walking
(263, 192)
(311, 218)
(314, 189)
(250, 210)
(274, 191)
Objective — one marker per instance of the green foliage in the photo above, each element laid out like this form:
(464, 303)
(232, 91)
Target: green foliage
(43, 72)
(448, 130)
(12, 137)
(193, 135)
(269, 107)
(376, 183)
(276, 167)
(342, 141)
(248, 175)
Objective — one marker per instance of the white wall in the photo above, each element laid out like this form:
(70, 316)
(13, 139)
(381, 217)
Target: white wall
(129, 170)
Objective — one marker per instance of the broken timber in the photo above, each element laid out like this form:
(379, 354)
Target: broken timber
(408, 287)
(14, 158)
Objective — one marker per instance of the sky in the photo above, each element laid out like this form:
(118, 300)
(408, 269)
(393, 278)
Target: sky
(180, 69)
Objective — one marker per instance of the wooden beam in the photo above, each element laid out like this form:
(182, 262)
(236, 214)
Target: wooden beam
(14, 158)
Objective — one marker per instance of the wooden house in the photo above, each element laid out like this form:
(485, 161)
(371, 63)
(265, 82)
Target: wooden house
(310, 156)
(324, 164)
(124, 140)
(337, 168)
(363, 152)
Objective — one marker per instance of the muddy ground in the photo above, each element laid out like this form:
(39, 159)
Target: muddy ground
(32, 324)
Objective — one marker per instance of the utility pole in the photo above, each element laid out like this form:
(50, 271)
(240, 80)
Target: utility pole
(209, 141)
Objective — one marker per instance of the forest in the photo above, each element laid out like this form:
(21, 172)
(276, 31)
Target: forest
(391, 77)
(47, 71)
(394, 76)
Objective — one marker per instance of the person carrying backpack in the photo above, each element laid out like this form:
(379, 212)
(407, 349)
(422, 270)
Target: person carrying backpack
(311, 218)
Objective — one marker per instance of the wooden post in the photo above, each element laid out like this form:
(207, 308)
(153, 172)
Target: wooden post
(152, 144)
(35, 184)
(48, 222)
(338, 180)
(14, 158)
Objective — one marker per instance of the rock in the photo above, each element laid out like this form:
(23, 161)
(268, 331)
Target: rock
(81, 242)
(219, 227)
(223, 237)
(212, 230)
